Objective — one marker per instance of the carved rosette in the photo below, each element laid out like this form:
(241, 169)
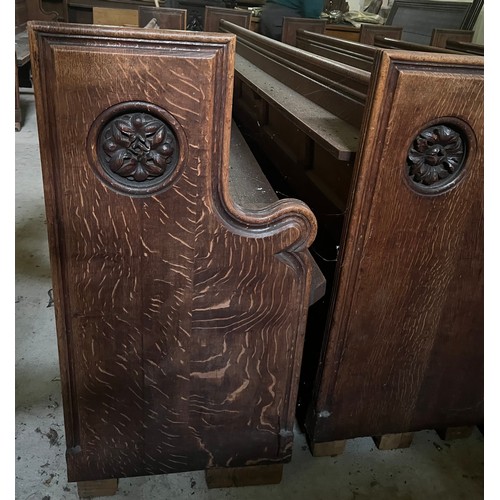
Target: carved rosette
(137, 147)
(435, 159)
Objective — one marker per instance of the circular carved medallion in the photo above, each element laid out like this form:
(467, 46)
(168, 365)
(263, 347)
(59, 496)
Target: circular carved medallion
(435, 159)
(135, 147)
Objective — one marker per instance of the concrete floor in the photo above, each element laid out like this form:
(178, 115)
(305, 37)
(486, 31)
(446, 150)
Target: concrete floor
(429, 469)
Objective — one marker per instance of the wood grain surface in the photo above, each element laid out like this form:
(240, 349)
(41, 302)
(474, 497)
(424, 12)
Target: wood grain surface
(180, 317)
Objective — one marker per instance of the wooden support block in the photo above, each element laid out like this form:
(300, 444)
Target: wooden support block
(449, 433)
(393, 441)
(101, 488)
(254, 475)
(328, 449)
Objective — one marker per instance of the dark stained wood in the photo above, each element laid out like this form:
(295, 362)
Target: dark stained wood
(180, 315)
(396, 345)
(343, 51)
(393, 441)
(390, 43)
(465, 47)
(213, 15)
(292, 24)
(167, 18)
(452, 46)
(416, 326)
(368, 32)
(255, 475)
(102, 488)
(343, 31)
(441, 36)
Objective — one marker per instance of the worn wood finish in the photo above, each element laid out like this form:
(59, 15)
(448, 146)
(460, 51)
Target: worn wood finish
(343, 51)
(213, 15)
(413, 320)
(452, 46)
(27, 10)
(403, 313)
(255, 475)
(343, 32)
(441, 36)
(465, 47)
(292, 24)
(102, 488)
(167, 18)
(368, 32)
(180, 315)
(390, 43)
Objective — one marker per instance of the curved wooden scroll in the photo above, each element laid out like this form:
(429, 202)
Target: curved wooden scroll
(180, 316)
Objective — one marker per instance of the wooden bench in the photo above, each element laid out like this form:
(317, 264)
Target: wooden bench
(181, 283)
(167, 18)
(390, 160)
(292, 24)
(26, 10)
(213, 15)
(451, 46)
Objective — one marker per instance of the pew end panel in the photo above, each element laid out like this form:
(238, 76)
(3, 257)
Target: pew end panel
(440, 37)
(408, 311)
(180, 314)
(167, 18)
(292, 24)
(368, 32)
(395, 346)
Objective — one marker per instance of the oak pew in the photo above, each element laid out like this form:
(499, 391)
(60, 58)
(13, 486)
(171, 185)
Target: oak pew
(292, 24)
(395, 180)
(389, 43)
(440, 37)
(344, 51)
(213, 15)
(167, 18)
(465, 47)
(181, 282)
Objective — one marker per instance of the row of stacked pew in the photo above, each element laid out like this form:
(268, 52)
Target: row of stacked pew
(197, 305)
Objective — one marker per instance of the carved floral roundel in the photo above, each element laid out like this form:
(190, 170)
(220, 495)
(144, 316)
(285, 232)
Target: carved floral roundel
(435, 158)
(137, 147)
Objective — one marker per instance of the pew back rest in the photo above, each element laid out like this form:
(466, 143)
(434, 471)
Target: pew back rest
(213, 15)
(292, 24)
